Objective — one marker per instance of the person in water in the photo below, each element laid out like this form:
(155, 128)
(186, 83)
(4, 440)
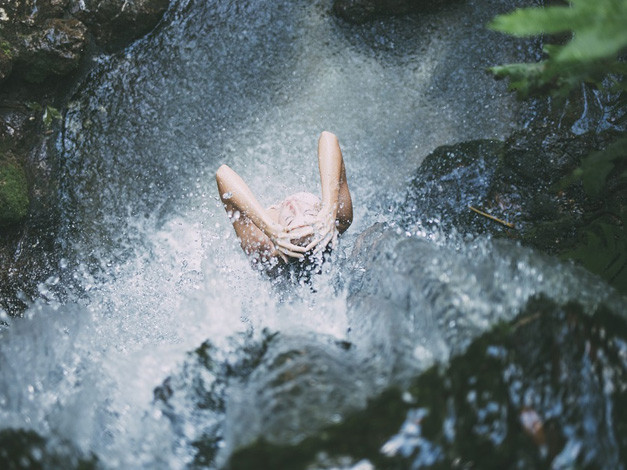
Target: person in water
(301, 224)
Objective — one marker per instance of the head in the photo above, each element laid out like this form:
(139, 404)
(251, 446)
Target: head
(299, 210)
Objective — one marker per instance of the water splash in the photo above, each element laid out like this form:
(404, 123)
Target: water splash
(150, 263)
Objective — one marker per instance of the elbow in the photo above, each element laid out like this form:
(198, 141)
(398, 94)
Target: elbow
(222, 178)
(326, 135)
(223, 169)
(222, 173)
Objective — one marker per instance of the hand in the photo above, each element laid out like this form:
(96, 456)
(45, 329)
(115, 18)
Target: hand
(325, 231)
(282, 240)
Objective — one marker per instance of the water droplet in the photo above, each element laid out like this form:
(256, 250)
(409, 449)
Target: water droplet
(408, 397)
(37, 454)
(227, 195)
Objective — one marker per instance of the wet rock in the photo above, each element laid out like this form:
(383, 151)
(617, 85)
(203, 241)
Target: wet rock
(410, 303)
(280, 391)
(22, 268)
(301, 384)
(194, 398)
(6, 62)
(360, 11)
(541, 391)
(115, 23)
(41, 45)
(451, 179)
(48, 37)
(55, 49)
(519, 183)
(14, 200)
(21, 449)
(40, 39)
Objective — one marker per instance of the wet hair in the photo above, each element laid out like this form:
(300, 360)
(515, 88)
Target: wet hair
(299, 210)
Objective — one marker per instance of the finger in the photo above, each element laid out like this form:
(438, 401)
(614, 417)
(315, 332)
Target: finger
(300, 232)
(291, 247)
(323, 244)
(313, 243)
(300, 228)
(317, 239)
(334, 240)
(291, 254)
(287, 243)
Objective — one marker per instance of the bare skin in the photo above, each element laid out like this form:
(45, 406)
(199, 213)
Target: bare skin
(299, 224)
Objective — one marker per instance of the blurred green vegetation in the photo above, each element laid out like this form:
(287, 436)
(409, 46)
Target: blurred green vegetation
(14, 200)
(592, 54)
(590, 46)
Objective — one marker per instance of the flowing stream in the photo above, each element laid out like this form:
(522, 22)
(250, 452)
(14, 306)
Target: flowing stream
(149, 265)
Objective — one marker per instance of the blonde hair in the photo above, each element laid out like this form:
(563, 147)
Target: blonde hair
(299, 210)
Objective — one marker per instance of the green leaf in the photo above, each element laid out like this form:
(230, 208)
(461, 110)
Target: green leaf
(50, 114)
(599, 37)
(593, 44)
(603, 250)
(534, 21)
(596, 167)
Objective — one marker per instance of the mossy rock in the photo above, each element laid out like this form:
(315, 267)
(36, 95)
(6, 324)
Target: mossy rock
(520, 185)
(14, 200)
(544, 390)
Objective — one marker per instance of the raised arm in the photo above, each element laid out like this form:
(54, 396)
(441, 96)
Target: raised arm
(336, 214)
(254, 227)
(336, 198)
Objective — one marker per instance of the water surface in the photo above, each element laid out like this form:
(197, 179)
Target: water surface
(149, 259)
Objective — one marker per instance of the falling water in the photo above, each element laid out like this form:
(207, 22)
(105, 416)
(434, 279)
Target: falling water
(150, 268)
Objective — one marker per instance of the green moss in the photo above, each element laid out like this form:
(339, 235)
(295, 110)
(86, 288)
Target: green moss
(13, 193)
(6, 48)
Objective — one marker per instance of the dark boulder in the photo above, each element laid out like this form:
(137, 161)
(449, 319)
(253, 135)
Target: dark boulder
(21, 448)
(544, 390)
(42, 44)
(449, 180)
(39, 39)
(115, 23)
(521, 187)
(360, 11)
(280, 391)
(54, 49)
(46, 38)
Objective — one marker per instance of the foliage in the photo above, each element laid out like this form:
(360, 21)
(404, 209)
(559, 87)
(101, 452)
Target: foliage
(50, 114)
(13, 193)
(597, 166)
(6, 48)
(592, 54)
(603, 249)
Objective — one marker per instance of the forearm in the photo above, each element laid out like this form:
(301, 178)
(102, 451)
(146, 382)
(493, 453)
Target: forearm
(235, 193)
(344, 214)
(330, 166)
